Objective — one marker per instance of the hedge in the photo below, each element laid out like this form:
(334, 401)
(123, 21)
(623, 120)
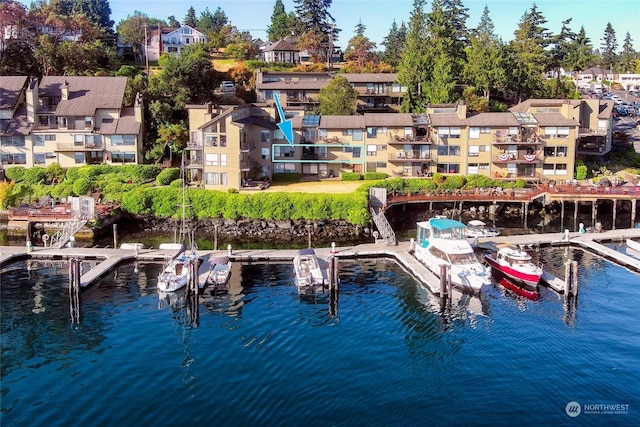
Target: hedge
(350, 176)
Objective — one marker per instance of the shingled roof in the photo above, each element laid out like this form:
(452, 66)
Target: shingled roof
(86, 94)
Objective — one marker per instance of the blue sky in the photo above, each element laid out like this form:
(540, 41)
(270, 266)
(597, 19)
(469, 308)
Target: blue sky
(378, 15)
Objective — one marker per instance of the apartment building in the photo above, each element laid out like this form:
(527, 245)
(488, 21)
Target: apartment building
(68, 120)
(377, 92)
(537, 140)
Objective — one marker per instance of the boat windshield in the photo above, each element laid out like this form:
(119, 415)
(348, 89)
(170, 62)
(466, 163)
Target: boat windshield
(461, 259)
(450, 233)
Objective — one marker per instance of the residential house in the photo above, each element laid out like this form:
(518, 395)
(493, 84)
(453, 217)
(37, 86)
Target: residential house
(69, 120)
(176, 40)
(280, 51)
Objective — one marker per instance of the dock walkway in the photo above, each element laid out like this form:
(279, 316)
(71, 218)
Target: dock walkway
(111, 258)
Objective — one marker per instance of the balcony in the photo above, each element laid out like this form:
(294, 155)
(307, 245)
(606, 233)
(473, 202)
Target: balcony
(582, 132)
(194, 164)
(518, 157)
(88, 146)
(398, 139)
(408, 156)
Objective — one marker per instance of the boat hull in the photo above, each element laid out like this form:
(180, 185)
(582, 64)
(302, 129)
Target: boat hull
(528, 281)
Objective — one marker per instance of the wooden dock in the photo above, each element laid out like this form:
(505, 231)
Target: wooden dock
(401, 253)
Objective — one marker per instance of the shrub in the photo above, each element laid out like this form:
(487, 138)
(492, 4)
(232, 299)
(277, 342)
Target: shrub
(35, 175)
(81, 186)
(370, 176)
(176, 183)
(581, 172)
(350, 176)
(454, 182)
(167, 176)
(6, 194)
(287, 177)
(15, 173)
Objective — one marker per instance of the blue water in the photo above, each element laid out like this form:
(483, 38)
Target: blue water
(385, 353)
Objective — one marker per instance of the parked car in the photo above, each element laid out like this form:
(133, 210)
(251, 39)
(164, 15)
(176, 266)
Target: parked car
(227, 86)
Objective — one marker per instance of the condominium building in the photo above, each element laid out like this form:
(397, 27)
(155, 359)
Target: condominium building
(68, 120)
(537, 140)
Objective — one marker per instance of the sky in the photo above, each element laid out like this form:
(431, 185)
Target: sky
(378, 15)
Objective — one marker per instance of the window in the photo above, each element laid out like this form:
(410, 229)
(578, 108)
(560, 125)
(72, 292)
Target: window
(123, 140)
(381, 147)
(13, 158)
(448, 150)
(38, 140)
(371, 150)
(50, 137)
(78, 157)
(485, 130)
(474, 133)
(123, 157)
(223, 141)
(211, 159)
(223, 160)
(224, 180)
(12, 141)
(563, 132)
(474, 150)
(282, 151)
(43, 120)
(448, 168)
(211, 140)
(554, 169)
(372, 132)
(284, 168)
(78, 139)
(93, 140)
(39, 158)
(209, 178)
(381, 164)
(62, 122)
(265, 153)
(264, 136)
(88, 122)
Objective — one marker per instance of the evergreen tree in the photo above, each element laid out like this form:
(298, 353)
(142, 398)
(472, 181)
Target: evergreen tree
(441, 85)
(485, 68)
(190, 18)
(413, 65)
(527, 53)
(609, 46)
(580, 52)
(220, 20)
(279, 27)
(628, 55)
(315, 18)
(96, 11)
(559, 53)
(206, 23)
(394, 43)
(173, 22)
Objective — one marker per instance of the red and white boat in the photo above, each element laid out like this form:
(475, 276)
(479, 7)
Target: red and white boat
(516, 265)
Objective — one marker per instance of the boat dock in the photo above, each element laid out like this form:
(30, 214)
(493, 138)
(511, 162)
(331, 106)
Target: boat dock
(110, 258)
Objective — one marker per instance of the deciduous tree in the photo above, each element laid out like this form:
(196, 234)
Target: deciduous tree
(338, 98)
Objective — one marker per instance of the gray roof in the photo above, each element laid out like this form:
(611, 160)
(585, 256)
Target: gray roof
(447, 120)
(535, 102)
(10, 89)
(281, 46)
(342, 122)
(554, 119)
(493, 120)
(388, 119)
(606, 109)
(369, 77)
(18, 125)
(86, 94)
(125, 125)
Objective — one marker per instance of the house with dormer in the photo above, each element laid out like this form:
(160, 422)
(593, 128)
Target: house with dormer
(176, 40)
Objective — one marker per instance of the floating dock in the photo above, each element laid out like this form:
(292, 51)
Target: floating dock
(401, 253)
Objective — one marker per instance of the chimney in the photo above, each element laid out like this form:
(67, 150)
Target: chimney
(137, 108)
(65, 91)
(32, 100)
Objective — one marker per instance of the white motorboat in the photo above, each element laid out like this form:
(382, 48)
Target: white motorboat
(476, 229)
(219, 274)
(632, 244)
(442, 241)
(310, 277)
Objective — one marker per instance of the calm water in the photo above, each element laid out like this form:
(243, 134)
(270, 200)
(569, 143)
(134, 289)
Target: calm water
(385, 353)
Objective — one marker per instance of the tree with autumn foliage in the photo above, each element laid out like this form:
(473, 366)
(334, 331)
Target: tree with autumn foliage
(360, 49)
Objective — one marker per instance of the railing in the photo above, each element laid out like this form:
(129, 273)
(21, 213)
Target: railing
(594, 132)
(385, 229)
(71, 227)
(70, 146)
(409, 155)
(518, 158)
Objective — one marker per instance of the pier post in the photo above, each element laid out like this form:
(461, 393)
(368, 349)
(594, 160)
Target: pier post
(115, 236)
(615, 202)
(309, 235)
(562, 215)
(215, 237)
(526, 214)
(575, 214)
(444, 271)
(567, 281)
(594, 212)
(74, 289)
(633, 212)
(333, 273)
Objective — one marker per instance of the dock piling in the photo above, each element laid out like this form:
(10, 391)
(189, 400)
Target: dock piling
(115, 236)
(75, 265)
(333, 273)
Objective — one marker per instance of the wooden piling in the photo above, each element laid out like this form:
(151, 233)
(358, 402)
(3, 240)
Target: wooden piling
(567, 281)
(594, 212)
(75, 265)
(526, 214)
(574, 266)
(333, 273)
(575, 216)
(215, 237)
(562, 215)
(633, 213)
(615, 202)
(443, 280)
(115, 236)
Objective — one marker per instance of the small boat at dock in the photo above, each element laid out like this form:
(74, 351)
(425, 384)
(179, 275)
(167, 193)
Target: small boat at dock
(632, 244)
(175, 274)
(310, 277)
(219, 274)
(516, 265)
(477, 229)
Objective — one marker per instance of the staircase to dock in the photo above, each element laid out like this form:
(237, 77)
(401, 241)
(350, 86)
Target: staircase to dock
(384, 228)
(70, 228)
